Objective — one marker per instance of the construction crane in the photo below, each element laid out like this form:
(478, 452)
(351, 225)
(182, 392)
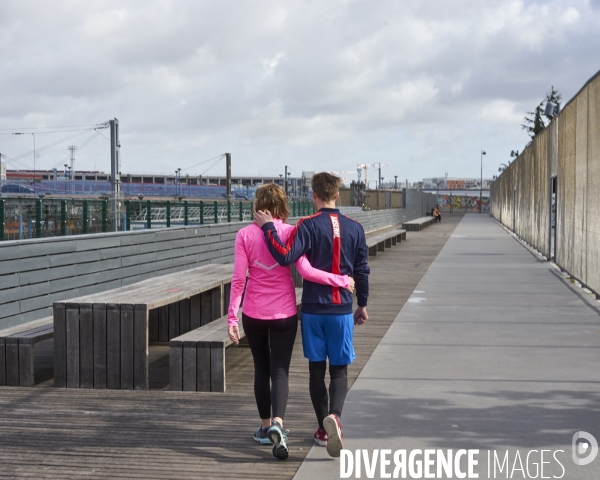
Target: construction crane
(365, 167)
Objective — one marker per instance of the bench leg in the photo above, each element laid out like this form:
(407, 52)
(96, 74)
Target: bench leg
(381, 246)
(203, 367)
(373, 251)
(189, 366)
(388, 243)
(12, 363)
(176, 369)
(26, 365)
(217, 367)
(2, 363)
(394, 240)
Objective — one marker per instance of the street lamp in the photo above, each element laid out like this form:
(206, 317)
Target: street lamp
(481, 183)
(21, 133)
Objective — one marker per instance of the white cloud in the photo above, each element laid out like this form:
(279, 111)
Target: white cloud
(319, 85)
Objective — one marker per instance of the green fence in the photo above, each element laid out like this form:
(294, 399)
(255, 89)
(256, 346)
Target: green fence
(22, 218)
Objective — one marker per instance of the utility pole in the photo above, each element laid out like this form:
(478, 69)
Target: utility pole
(481, 182)
(115, 171)
(380, 185)
(228, 174)
(286, 181)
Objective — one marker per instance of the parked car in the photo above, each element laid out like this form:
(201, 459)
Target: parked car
(16, 188)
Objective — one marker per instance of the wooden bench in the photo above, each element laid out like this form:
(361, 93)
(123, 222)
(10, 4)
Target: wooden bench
(16, 351)
(418, 224)
(101, 340)
(379, 241)
(197, 359)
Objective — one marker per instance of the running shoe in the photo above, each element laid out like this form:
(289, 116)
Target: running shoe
(279, 438)
(321, 437)
(260, 436)
(334, 435)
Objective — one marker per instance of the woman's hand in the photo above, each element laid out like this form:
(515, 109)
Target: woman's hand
(350, 287)
(260, 217)
(234, 334)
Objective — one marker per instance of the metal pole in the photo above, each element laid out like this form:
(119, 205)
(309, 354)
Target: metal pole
(63, 218)
(104, 216)
(168, 214)
(1, 219)
(185, 213)
(286, 181)
(241, 211)
(228, 174)
(216, 212)
(481, 182)
(201, 213)
(228, 211)
(38, 218)
(148, 214)
(84, 216)
(127, 215)
(33, 162)
(115, 170)
(293, 209)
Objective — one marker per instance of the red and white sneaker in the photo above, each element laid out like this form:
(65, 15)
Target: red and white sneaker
(334, 435)
(321, 437)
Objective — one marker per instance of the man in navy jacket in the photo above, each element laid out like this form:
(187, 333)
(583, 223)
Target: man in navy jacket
(335, 243)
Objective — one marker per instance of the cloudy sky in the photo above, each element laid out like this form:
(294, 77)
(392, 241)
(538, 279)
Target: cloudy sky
(420, 85)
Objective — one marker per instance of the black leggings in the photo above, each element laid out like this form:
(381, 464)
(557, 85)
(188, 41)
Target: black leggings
(338, 388)
(271, 343)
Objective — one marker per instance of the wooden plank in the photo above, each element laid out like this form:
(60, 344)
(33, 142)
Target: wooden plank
(217, 367)
(113, 346)
(163, 324)
(226, 297)
(173, 320)
(2, 362)
(86, 345)
(189, 366)
(176, 369)
(140, 347)
(216, 302)
(205, 308)
(127, 347)
(60, 345)
(73, 362)
(203, 367)
(12, 362)
(184, 316)
(26, 378)
(153, 325)
(99, 318)
(195, 312)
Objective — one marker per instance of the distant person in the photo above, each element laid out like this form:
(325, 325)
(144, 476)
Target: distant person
(436, 213)
(269, 314)
(335, 243)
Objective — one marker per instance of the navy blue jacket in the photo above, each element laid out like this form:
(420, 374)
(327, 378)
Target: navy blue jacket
(334, 243)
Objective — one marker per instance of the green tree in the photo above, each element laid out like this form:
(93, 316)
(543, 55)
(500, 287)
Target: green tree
(534, 121)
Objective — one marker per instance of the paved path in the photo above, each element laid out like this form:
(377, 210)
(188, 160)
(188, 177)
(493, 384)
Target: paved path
(494, 350)
(56, 433)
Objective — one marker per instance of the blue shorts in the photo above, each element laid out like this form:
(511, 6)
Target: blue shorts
(328, 336)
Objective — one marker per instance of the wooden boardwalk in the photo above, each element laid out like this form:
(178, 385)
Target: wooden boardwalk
(56, 433)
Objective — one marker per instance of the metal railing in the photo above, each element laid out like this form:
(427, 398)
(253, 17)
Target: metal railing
(24, 218)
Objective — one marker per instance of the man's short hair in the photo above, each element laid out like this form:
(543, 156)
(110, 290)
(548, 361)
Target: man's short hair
(272, 197)
(326, 186)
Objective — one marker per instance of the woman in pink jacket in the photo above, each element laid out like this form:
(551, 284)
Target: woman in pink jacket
(269, 314)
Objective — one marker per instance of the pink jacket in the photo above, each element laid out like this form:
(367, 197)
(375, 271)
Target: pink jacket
(270, 292)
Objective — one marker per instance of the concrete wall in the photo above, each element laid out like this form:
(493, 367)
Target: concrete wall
(418, 203)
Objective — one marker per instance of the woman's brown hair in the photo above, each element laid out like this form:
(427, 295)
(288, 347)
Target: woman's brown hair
(272, 197)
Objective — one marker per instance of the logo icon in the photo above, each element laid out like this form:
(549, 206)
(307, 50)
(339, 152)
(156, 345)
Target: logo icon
(584, 444)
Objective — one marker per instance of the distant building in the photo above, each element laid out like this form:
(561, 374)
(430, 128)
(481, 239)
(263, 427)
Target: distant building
(455, 184)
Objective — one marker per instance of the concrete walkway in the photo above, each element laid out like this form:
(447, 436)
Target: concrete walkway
(495, 351)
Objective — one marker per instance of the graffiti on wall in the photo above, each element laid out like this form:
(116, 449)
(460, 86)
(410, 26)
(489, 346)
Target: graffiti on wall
(462, 202)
